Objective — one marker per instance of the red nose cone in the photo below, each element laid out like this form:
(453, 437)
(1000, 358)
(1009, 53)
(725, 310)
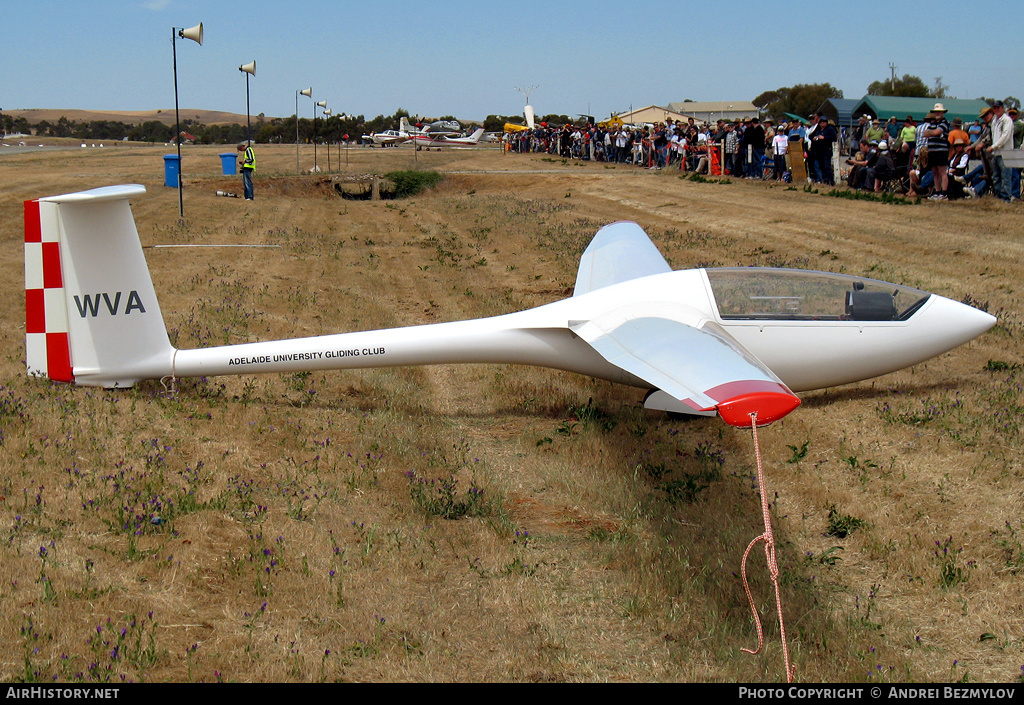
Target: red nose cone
(769, 407)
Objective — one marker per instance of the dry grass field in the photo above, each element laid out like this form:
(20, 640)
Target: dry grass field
(490, 523)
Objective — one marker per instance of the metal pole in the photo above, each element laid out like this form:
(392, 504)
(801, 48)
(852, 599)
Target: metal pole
(296, 132)
(322, 104)
(177, 123)
(248, 125)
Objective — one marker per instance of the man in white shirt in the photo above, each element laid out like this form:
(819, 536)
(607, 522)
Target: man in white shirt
(780, 147)
(1002, 139)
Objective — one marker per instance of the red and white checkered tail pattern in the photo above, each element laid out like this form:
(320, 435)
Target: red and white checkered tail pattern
(92, 317)
(47, 347)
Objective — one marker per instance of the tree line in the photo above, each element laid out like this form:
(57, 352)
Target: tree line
(335, 128)
(804, 98)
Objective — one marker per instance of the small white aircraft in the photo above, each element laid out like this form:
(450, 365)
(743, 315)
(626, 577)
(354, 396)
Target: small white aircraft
(732, 341)
(405, 132)
(389, 138)
(427, 141)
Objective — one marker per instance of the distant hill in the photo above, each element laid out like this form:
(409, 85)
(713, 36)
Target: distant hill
(134, 117)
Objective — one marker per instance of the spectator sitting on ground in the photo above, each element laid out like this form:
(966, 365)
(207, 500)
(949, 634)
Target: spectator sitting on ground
(978, 181)
(884, 169)
(957, 172)
(859, 163)
(921, 182)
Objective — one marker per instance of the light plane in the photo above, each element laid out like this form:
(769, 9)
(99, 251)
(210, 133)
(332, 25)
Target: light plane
(405, 132)
(732, 341)
(428, 141)
(389, 138)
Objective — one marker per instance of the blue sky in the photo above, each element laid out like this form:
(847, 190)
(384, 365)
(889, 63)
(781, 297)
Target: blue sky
(467, 58)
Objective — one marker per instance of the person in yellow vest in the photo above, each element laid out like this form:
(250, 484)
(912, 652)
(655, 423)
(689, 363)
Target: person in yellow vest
(248, 167)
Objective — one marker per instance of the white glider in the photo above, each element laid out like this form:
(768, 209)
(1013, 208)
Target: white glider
(733, 341)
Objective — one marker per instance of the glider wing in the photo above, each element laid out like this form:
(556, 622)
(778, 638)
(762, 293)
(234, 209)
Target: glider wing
(703, 369)
(619, 252)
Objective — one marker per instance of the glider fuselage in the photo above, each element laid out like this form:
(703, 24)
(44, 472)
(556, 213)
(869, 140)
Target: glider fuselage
(805, 354)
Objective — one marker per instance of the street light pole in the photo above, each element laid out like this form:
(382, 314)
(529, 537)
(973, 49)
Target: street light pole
(322, 104)
(327, 118)
(248, 69)
(308, 92)
(196, 35)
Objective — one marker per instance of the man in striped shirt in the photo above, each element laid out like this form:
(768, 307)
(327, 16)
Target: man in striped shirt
(936, 135)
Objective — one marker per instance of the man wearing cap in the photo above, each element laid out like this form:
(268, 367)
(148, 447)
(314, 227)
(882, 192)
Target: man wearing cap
(936, 134)
(1002, 140)
(821, 149)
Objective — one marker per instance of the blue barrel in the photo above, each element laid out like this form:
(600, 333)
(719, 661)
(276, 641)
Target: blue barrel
(172, 168)
(229, 162)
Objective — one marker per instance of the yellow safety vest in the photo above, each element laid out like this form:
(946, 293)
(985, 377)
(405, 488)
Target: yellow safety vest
(249, 162)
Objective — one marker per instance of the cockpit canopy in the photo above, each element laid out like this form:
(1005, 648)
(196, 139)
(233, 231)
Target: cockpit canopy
(760, 293)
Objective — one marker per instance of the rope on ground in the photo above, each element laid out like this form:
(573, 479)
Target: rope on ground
(773, 567)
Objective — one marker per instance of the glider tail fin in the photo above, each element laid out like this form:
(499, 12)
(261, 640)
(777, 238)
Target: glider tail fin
(91, 314)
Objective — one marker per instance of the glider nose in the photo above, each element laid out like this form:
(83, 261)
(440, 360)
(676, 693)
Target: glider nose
(958, 322)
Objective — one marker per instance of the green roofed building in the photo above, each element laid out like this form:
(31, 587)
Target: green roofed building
(884, 107)
(840, 110)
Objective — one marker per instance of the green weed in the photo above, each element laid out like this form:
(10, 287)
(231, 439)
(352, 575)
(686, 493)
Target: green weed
(841, 525)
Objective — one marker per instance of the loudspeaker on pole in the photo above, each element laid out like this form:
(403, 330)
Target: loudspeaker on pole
(193, 33)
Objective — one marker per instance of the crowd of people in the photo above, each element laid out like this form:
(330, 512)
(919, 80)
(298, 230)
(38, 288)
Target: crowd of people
(936, 158)
(739, 148)
(914, 158)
